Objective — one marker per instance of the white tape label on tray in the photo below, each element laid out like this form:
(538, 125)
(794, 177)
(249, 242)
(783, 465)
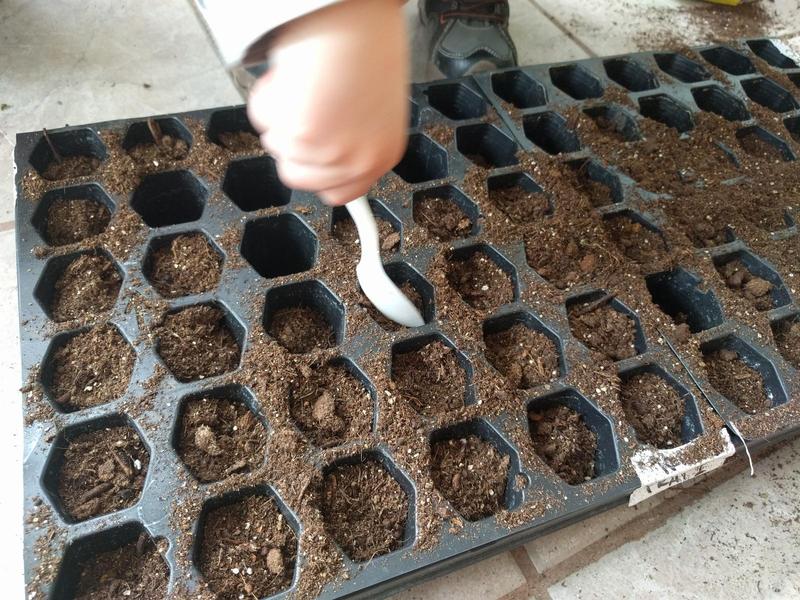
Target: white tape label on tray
(659, 470)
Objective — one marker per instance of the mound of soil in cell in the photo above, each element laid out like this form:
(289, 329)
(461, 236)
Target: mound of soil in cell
(754, 289)
(561, 256)
(169, 148)
(480, 282)
(247, 549)
(654, 408)
(787, 336)
(430, 379)
(365, 510)
(520, 205)
(88, 286)
(525, 357)
(70, 167)
(75, 219)
(411, 293)
(301, 329)
(240, 141)
(443, 218)
(472, 474)
(219, 437)
(345, 232)
(640, 244)
(759, 148)
(564, 442)
(736, 380)
(187, 265)
(103, 471)
(603, 329)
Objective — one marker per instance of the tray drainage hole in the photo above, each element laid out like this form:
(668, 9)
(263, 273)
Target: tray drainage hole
(769, 94)
(519, 197)
(281, 245)
(763, 144)
(231, 129)
(767, 51)
(666, 110)
(253, 184)
(519, 89)
(482, 277)
(712, 98)
(606, 326)
(576, 81)
(640, 241)
(732, 376)
(682, 68)
(170, 198)
(445, 212)
(247, 547)
(739, 272)
(614, 122)
(729, 60)
(344, 229)
(199, 341)
(424, 160)
(486, 146)
(550, 132)
(787, 337)
(596, 182)
(73, 214)
(303, 317)
(78, 153)
(793, 127)
(413, 285)
(155, 141)
(456, 101)
(183, 264)
(679, 295)
(630, 74)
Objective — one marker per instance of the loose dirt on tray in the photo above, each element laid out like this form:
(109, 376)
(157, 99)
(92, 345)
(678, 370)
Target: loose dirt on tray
(345, 232)
(218, 437)
(480, 282)
(70, 167)
(564, 442)
(300, 330)
(654, 408)
(736, 380)
(410, 292)
(471, 474)
(365, 510)
(520, 205)
(525, 357)
(103, 471)
(603, 329)
(240, 141)
(430, 379)
(170, 148)
(186, 265)
(247, 549)
(88, 287)
(787, 337)
(754, 289)
(637, 242)
(443, 218)
(71, 220)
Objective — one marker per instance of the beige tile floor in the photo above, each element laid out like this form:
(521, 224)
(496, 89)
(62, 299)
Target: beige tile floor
(71, 62)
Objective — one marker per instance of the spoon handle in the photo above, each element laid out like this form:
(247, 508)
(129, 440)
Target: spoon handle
(362, 216)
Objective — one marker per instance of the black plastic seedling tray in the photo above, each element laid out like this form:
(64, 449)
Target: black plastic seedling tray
(279, 243)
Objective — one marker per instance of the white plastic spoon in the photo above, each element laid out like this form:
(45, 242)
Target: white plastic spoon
(375, 283)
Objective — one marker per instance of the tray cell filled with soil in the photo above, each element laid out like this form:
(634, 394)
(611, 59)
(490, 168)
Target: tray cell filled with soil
(598, 183)
(414, 286)
(787, 337)
(72, 214)
(446, 213)
(304, 316)
(486, 146)
(155, 141)
(456, 101)
(519, 197)
(605, 325)
(253, 184)
(483, 277)
(681, 295)
(550, 132)
(170, 198)
(611, 120)
(183, 264)
(763, 144)
(424, 160)
(280, 245)
(68, 154)
(637, 239)
(576, 81)
(630, 74)
(519, 89)
(753, 280)
(390, 229)
(231, 129)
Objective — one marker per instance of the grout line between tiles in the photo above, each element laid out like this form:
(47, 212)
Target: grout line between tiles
(571, 35)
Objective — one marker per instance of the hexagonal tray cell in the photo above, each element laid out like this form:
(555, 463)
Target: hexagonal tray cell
(742, 374)
(76, 376)
(279, 245)
(600, 184)
(390, 228)
(766, 50)
(679, 294)
(81, 285)
(156, 140)
(456, 101)
(523, 350)
(712, 98)
(304, 316)
(667, 110)
(170, 198)
(475, 469)
(231, 129)
(253, 184)
(482, 276)
(414, 286)
(445, 212)
(576, 81)
(519, 89)
(752, 279)
(424, 160)
(200, 341)
(614, 120)
(519, 197)
(663, 412)
(630, 74)
(729, 60)
(219, 433)
(246, 544)
(367, 505)
(68, 154)
(636, 237)
(486, 146)
(681, 68)
(72, 214)
(605, 325)
(549, 131)
(431, 375)
(793, 127)
(769, 94)
(183, 264)
(786, 332)
(572, 437)
(794, 78)
(120, 562)
(95, 468)
(764, 144)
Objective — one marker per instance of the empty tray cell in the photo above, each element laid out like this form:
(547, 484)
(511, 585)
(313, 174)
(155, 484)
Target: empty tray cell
(519, 89)
(667, 110)
(638, 239)
(95, 468)
(549, 131)
(456, 101)
(767, 51)
(367, 505)
(200, 341)
(183, 264)
(614, 120)
(752, 279)
(156, 140)
(82, 285)
(445, 212)
(482, 276)
(630, 74)
(486, 146)
(681, 295)
(68, 154)
(794, 78)
(605, 325)
(231, 129)
(793, 127)
(414, 286)
(662, 411)
(475, 469)
(72, 214)
(576, 81)
(519, 197)
(280, 245)
(523, 350)
(712, 98)
(431, 374)
(424, 160)
(681, 68)
(246, 544)
(120, 562)
(572, 437)
(253, 184)
(600, 184)
(786, 332)
(170, 198)
(390, 228)
(742, 374)
(219, 433)
(762, 143)
(729, 60)
(76, 376)
(304, 316)
(766, 92)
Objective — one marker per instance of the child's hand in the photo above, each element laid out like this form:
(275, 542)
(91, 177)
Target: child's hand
(333, 108)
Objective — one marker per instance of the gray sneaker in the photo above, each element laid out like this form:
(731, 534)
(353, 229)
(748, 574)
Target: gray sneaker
(468, 36)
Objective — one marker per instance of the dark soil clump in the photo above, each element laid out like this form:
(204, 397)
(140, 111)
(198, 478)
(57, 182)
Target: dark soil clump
(520, 205)
(755, 290)
(603, 330)
(654, 409)
(70, 167)
(430, 379)
(443, 218)
(169, 148)
(187, 265)
(240, 141)
(411, 293)
(345, 232)
(737, 381)
(480, 282)
(637, 242)
(524, 356)
(564, 442)
(75, 219)
(787, 337)
(88, 286)
(562, 258)
(301, 330)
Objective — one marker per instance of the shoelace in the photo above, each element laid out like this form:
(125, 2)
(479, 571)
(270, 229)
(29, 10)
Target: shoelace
(475, 9)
